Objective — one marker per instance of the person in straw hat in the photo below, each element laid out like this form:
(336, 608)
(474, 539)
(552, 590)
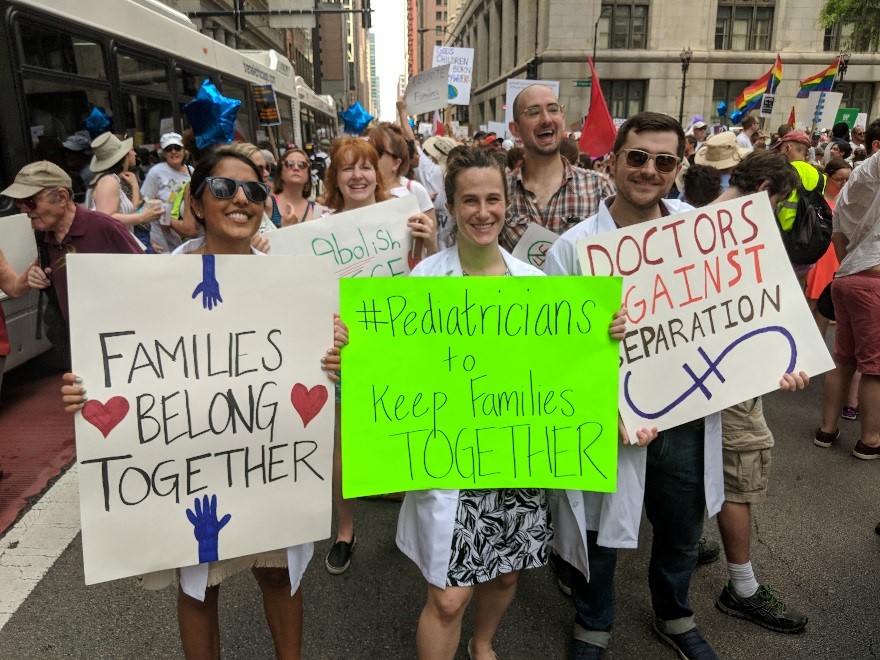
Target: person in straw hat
(723, 153)
(115, 190)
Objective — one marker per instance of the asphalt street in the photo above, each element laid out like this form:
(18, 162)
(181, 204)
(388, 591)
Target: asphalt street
(814, 541)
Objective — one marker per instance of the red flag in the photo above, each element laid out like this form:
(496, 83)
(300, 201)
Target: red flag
(438, 125)
(791, 117)
(598, 133)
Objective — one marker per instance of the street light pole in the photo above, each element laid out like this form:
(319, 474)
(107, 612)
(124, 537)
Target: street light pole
(596, 30)
(685, 56)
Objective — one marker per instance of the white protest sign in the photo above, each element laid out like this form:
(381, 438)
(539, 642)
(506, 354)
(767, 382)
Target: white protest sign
(534, 244)
(516, 85)
(428, 90)
(499, 129)
(461, 68)
(370, 242)
(822, 108)
(862, 119)
(767, 102)
(208, 433)
(426, 128)
(716, 315)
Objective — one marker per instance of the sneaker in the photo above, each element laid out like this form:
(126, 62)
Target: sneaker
(823, 439)
(865, 452)
(763, 608)
(581, 650)
(877, 529)
(562, 569)
(691, 645)
(339, 557)
(850, 412)
(709, 551)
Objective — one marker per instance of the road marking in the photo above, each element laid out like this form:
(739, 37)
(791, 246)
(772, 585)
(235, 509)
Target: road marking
(32, 545)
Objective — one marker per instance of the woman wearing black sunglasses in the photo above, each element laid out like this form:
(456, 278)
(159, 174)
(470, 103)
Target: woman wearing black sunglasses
(293, 188)
(227, 200)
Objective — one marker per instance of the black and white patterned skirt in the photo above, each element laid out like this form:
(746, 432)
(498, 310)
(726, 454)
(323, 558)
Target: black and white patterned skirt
(498, 531)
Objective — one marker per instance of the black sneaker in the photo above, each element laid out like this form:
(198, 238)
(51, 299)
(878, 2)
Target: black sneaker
(822, 439)
(339, 557)
(763, 608)
(691, 645)
(581, 650)
(709, 552)
(562, 569)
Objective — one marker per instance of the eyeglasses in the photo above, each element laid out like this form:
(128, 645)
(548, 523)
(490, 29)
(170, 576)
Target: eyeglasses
(295, 165)
(30, 203)
(840, 179)
(636, 158)
(534, 111)
(225, 188)
(172, 147)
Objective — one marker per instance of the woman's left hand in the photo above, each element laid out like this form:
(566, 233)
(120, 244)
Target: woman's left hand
(332, 362)
(423, 227)
(617, 330)
(260, 242)
(644, 436)
(794, 381)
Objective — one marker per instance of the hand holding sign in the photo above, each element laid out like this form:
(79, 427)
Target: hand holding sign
(206, 527)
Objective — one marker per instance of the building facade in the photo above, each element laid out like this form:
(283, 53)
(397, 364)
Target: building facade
(426, 28)
(344, 52)
(639, 46)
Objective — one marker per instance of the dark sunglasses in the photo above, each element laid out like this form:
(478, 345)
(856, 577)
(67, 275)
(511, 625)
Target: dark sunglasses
(30, 203)
(295, 165)
(224, 188)
(636, 158)
(172, 147)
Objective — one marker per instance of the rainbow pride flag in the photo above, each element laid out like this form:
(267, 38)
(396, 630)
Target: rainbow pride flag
(821, 82)
(751, 96)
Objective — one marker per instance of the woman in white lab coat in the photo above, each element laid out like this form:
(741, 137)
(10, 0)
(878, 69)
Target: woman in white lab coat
(461, 539)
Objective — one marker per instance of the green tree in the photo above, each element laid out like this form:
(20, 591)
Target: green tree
(863, 15)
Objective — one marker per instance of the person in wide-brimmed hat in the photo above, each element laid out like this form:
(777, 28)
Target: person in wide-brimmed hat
(115, 190)
(721, 152)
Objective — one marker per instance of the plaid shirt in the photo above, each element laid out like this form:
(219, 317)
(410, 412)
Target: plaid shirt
(577, 199)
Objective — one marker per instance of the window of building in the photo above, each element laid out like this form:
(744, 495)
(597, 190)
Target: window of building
(438, 29)
(623, 25)
(744, 25)
(837, 37)
(856, 95)
(625, 98)
(726, 90)
(439, 15)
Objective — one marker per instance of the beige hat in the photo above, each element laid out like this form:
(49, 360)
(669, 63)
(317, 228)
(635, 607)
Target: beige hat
(438, 147)
(108, 150)
(35, 177)
(720, 151)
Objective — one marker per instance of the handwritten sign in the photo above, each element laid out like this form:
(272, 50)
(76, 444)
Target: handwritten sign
(479, 382)
(461, 68)
(428, 90)
(716, 312)
(370, 242)
(208, 433)
(267, 105)
(534, 244)
(515, 86)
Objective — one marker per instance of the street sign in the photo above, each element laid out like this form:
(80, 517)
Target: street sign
(583, 83)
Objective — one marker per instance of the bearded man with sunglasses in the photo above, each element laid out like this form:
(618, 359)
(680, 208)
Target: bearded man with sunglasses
(43, 191)
(546, 190)
(677, 476)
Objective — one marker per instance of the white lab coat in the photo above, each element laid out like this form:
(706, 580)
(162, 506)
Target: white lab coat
(427, 518)
(616, 516)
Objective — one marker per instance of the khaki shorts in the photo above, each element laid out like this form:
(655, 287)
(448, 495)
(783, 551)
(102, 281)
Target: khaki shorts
(746, 475)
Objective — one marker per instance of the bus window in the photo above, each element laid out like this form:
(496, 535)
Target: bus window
(144, 73)
(144, 117)
(60, 52)
(286, 113)
(243, 121)
(188, 83)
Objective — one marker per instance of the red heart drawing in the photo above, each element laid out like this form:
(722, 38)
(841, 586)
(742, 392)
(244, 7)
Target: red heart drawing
(105, 416)
(308, 402)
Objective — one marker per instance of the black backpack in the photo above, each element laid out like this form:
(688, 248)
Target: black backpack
(810, 234)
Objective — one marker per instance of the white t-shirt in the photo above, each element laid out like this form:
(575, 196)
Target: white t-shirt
(744, 141)
(165, 183)
(410, 187)
(857, 216)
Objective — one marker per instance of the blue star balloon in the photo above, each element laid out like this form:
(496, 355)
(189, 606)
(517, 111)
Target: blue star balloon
(736, 116)
(722, 109)
(356, 118)
(97, 122)
(212, 116)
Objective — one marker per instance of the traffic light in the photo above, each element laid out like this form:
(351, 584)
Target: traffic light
(532, 69)
(366, 17)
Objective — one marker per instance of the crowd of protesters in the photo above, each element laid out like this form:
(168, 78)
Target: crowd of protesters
(476, 197)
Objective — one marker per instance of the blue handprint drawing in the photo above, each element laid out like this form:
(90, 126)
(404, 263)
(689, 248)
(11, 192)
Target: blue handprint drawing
(209, 287)
(206, 527)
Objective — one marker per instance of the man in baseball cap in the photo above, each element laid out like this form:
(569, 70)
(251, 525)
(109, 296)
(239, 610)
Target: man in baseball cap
(42, 191)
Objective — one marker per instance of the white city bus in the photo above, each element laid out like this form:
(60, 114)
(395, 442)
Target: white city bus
(139, 62)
